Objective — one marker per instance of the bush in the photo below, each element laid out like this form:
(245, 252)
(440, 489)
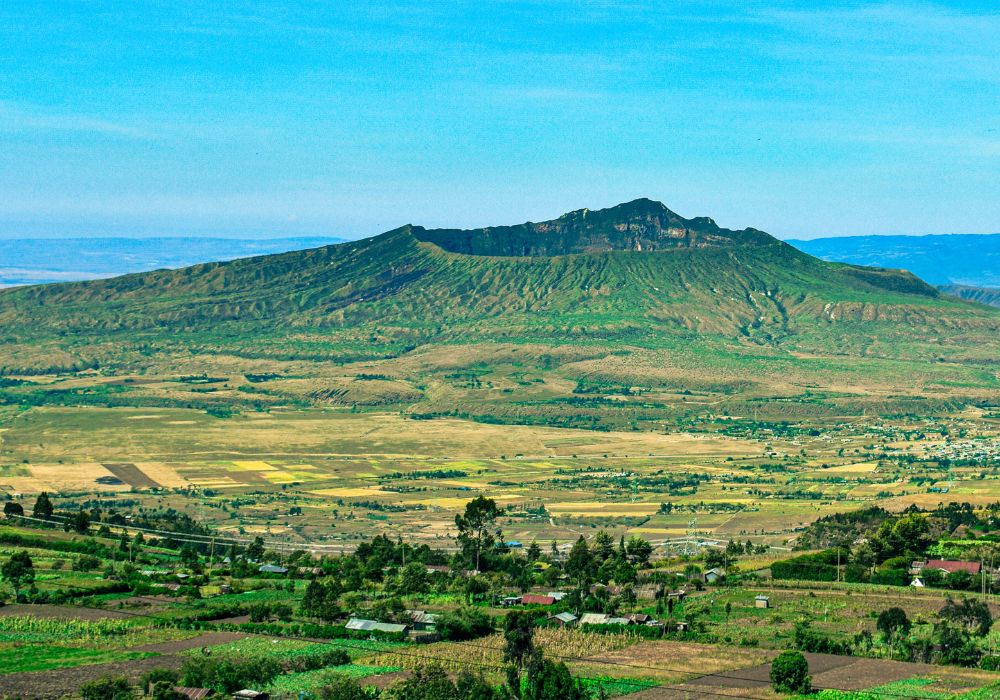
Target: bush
(464, 624)
(342, 687)
(86, 562)
(107, 688)
(808, 639)
(790, 673)
(990, 663)
(229, 675)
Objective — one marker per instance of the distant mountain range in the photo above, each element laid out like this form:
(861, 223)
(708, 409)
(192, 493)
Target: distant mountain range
(38, 260)
(959, 259)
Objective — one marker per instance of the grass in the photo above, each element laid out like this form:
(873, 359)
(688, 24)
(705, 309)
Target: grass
(617, 686)
(35, 657)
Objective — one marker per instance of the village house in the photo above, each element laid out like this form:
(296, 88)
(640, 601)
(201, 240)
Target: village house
(422, 621)
(564, 618)
(713, 575)
(945, 566)
(535, 599)
(361, 625)
(248, 694)
(272, 569)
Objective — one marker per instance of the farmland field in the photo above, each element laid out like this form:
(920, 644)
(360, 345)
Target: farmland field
(326, 477)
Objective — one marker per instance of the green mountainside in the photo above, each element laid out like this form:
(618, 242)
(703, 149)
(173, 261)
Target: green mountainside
(634, 295)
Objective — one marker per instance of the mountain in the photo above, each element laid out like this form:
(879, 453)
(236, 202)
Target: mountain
(969, 260)
(983, 295)
(567, 320)
(41, 260)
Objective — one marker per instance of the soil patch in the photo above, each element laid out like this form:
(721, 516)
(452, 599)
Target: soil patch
(131, 475)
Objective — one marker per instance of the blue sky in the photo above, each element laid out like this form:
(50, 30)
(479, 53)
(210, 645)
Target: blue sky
(345, 118)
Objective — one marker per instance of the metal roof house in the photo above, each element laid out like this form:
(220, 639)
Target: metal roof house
(272, 569)
(361, 625)
(565, 618)
(535, 599)
(248, 694)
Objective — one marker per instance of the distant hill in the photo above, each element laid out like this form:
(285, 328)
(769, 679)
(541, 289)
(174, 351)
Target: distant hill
(959, 259)
(982, 295)
(40, 260)
(609, 318)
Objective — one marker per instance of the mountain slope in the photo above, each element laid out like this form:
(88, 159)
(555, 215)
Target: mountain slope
(39, 260)
(685, 269)
(983, 295)
(634, 295)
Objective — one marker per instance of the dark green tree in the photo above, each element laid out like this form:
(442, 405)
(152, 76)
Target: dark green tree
(790, 673)
(255, 552)
(107, 688)
(80, 522)
(550, 680)
(580, 563)
(518, 646)
(413, 579)
(339, 686)
(892, 621)
(972, 614)
(477, 528)
(12, 509)
(19, 571)
(43, 506)
(534, 552)
(638, 550)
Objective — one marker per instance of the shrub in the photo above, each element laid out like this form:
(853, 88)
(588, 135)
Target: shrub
(86, 562)
(107, 688)
(342, 687)
(229, 675)
(464, 624)
(790, 673)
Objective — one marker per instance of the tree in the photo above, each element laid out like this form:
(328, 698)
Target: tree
(43, 506)
(957, 646)
(715, 559)
(790, 673)
(340, 686)
(580, 563)
(973, 614)
(477, 529)
(519, 645)
(160, 683)
(432, 683)
(12, 509)
(475, 588)
(638, 550)
(255, 552)
(550, 680)
(413, 579)
(892, 621)
(19, 571)
(534, 552)
(107, 688)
